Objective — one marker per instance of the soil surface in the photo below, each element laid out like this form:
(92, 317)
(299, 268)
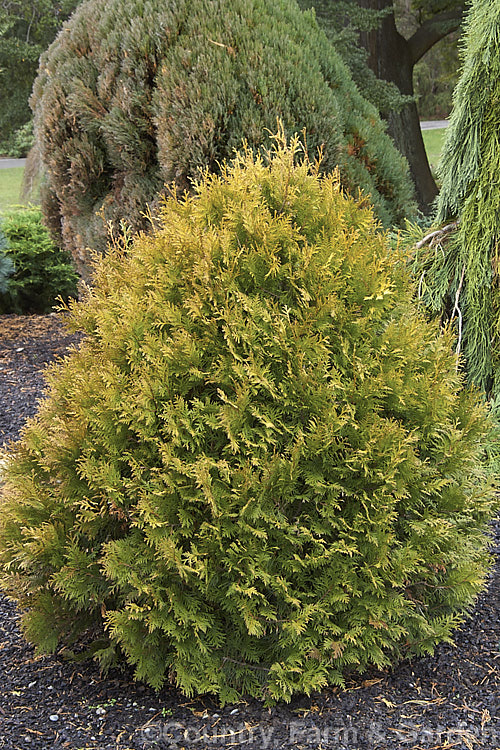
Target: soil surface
(448, 700)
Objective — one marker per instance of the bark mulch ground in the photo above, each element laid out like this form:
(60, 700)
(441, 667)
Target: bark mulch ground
(448, 700)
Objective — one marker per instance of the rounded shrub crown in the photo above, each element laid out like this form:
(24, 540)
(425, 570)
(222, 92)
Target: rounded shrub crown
(259, 470)
(135, 94)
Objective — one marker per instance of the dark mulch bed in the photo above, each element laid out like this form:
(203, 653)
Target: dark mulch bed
(27, 344)
(451, 699)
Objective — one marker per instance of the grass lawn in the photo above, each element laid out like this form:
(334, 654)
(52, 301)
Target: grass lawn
(434, 140)
(10, 187)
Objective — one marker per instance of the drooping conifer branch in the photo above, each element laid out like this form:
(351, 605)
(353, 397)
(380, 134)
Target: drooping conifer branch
(469, 171)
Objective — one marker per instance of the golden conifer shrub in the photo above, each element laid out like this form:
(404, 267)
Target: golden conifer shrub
(260, 469)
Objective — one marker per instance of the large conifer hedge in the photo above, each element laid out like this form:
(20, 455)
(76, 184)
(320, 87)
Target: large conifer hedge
(138, 93)
(260, 470)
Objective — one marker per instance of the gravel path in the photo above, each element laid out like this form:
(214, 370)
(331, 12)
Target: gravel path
(449, 700)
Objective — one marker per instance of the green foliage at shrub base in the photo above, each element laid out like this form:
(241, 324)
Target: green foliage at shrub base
(260, 470)
(6, 265)
(43, 272)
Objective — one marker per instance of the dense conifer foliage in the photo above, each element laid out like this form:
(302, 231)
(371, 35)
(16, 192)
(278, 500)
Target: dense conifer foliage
(260, 470)
(138, 93)
(462, 272)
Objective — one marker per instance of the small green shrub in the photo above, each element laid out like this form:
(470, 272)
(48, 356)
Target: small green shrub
(20, 142)
(6, 265)
(42, 272)
(260, 470)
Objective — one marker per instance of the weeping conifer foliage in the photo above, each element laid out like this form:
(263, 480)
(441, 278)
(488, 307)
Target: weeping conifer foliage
(260, 470)
(138, 93)
(461, 273)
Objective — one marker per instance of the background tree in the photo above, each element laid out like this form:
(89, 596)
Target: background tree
(26, 30)
(435, 78)
(436, 73)
(392, 56)
(134, 95)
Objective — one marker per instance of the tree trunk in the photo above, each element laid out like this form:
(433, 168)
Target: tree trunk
(392, 58)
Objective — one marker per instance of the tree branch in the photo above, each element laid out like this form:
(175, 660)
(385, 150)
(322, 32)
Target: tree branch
(433, 30)
(438, 233)
(30, 25)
